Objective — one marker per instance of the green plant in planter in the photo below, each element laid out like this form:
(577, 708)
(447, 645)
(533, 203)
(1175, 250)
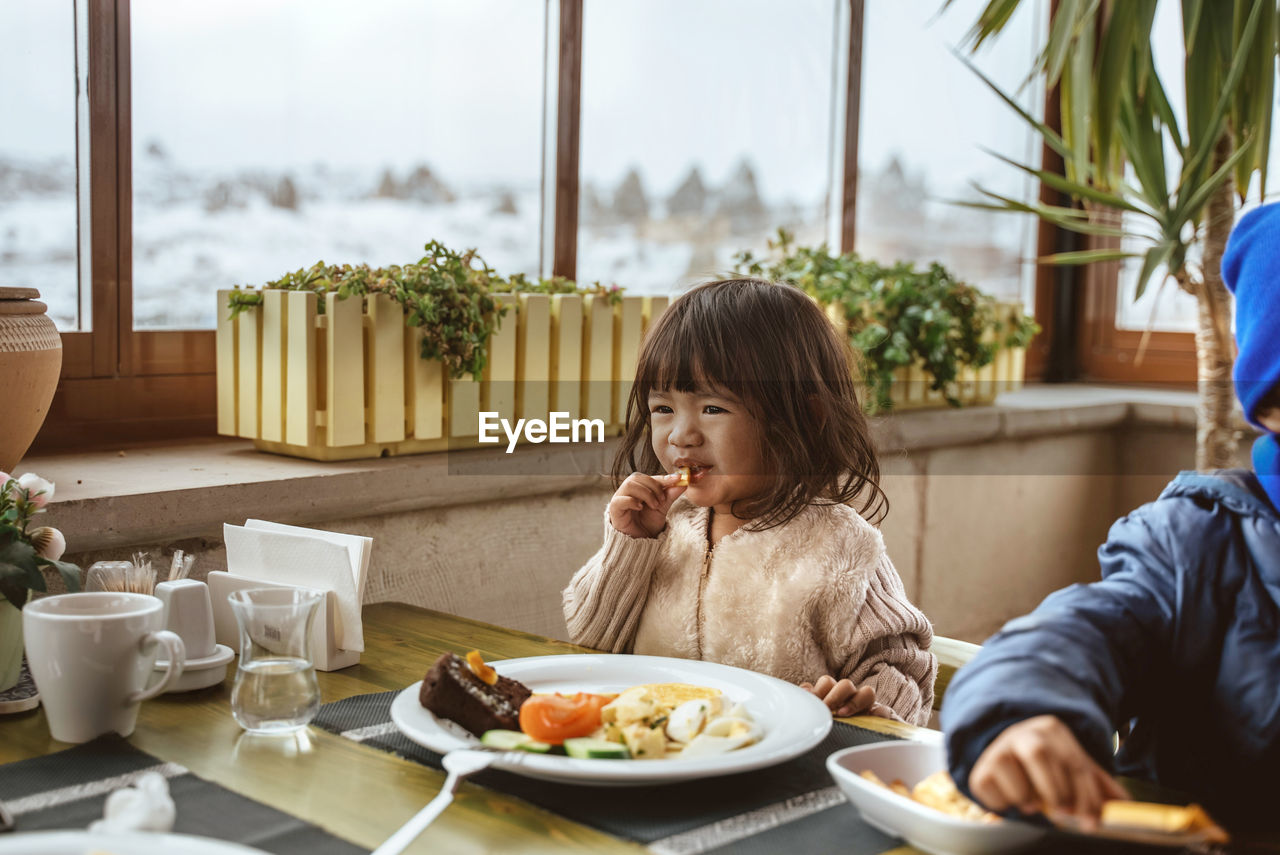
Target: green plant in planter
(25, 551)
(896, 315)
(447, 294)
(519, 283)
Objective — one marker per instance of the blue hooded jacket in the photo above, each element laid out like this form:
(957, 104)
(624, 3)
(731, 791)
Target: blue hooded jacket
(1181, 638)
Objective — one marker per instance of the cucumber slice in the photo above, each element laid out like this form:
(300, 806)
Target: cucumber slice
(596, 749)
(513, 740)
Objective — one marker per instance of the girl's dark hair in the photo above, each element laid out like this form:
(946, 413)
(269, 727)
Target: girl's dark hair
(770, 346)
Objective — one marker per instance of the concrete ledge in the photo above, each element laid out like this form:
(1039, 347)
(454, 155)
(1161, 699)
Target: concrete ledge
(1035, 411)
(167, 492)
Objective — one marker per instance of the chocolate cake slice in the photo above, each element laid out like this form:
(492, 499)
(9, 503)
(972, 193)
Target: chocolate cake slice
(451, 690)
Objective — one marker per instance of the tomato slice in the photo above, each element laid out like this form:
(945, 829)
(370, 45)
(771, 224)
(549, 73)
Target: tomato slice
(555, 718)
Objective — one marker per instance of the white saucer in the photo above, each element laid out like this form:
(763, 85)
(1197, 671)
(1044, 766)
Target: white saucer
(201, 673)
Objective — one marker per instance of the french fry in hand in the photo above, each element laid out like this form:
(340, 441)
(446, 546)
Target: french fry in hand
(1169, 819)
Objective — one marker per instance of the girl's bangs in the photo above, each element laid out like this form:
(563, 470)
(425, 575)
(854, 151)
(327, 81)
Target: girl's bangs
(686, 360)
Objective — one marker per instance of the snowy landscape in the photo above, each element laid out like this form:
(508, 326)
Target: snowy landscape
(196, 232)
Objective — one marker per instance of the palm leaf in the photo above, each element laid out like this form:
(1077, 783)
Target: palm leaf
(1087, 256)
(1142, 42)
(1115, 59)
(1216, 121)
(991, 21)
(1077, 107)
(1142, 140)
(1191, 13)
(1188, 210)
(1058, 216)
(1201, 76)
(1160, 101)
(1252, 106)
(1062, 30)
(1155, 256)
(1075, 188)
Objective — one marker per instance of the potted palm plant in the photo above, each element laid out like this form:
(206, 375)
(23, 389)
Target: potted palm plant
(25, 552)
(1141, 176)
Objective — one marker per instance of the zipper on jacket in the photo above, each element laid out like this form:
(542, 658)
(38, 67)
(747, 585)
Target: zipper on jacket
(702, 585)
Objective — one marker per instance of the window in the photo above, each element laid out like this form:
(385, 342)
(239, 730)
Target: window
(39, 237)
(925, 121)
(1165, 307)
(327, 135)
(699, 139)
(642, 142)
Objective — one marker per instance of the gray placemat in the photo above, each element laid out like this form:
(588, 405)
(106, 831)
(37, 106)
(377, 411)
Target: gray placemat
(690, 817)
(67, 790)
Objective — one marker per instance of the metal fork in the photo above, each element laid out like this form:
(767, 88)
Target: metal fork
(459, 764)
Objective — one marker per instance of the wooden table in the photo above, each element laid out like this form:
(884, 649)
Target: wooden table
(354, 791)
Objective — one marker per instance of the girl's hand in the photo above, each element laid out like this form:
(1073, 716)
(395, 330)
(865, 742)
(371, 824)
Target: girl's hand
(1038, 765)
(639, 508)
(843, 698)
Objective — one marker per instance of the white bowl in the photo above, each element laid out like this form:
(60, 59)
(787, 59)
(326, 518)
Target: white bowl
(922, 827)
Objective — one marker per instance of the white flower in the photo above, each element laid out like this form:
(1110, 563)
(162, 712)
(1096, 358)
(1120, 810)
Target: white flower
(48, 542)
(39, 491)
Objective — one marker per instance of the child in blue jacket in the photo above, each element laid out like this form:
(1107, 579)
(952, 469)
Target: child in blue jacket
(1181, 638)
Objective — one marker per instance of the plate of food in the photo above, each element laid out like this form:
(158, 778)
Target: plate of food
(903, 789)
(610, 719)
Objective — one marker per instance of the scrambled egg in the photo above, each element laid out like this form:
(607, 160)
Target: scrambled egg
(676, 720)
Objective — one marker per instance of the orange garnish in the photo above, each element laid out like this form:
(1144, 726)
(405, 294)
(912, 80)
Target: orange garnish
(555, 718)
(476, 663)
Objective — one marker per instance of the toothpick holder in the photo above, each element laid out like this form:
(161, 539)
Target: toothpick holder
(324, 651)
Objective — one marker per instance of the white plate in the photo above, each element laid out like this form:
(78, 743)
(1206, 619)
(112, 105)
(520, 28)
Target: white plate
(793, 721)
(922, 827)
(133, 843)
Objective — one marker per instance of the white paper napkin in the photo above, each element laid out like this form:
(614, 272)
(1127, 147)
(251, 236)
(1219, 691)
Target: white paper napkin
(359, 548)
(146, 806)
(301, 557)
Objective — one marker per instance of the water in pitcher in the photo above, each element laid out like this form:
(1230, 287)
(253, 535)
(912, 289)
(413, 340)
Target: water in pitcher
(275, 695)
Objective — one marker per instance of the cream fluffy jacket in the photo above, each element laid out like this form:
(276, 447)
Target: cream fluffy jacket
(815, 596)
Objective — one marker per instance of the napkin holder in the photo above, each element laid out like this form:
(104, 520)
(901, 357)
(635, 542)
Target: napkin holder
(324, 652)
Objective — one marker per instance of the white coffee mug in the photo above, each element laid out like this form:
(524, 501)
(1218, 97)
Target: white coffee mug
(90, 655)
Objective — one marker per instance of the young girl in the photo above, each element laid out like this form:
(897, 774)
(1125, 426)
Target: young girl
(746, 550)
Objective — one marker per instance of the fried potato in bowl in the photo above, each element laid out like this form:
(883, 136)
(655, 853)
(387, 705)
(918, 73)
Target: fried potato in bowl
(915, 766)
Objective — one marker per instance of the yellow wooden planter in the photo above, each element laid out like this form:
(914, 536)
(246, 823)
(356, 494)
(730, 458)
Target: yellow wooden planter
(349, 383)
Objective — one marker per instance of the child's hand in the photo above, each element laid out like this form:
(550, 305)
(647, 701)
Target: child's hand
(639, 508)
(1038, 765)
(845, 699)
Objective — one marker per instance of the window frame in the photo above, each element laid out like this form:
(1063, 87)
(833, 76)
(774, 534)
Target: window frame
(122, 385)
(119, 384)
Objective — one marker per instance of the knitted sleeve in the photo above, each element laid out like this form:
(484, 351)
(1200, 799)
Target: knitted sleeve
(883, 642)
(605, 598)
